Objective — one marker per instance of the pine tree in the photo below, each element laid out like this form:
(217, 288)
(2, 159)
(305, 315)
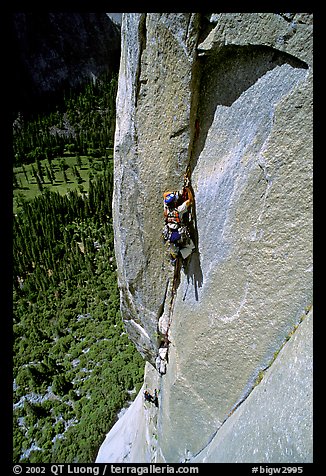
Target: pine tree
(79, 161)
(15, 181)
(63, 167)
(49, 174)
(39, 169)
(25, 173)
(34, 172)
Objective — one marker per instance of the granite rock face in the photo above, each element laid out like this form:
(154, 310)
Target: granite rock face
(152, 147)
(230, 95)
(274, 424)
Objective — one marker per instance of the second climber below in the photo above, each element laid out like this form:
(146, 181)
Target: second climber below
(177, 215)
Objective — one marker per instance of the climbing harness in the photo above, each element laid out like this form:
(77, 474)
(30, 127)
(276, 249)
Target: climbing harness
(173, 217)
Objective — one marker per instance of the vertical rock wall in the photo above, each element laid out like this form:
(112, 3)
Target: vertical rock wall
(151, 153)
(275, 423)
(231, 95)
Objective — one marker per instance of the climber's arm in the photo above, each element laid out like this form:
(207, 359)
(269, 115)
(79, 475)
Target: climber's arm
(190, 199)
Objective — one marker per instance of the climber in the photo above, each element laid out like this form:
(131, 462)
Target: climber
(148, 397)
(162, 358)
(177, 207)
(155, 399)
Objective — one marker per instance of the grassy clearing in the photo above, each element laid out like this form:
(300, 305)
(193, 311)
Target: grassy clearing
(28, 188)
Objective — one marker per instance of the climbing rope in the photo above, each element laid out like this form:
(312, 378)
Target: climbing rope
(176, 276)
(173, 293)
(187, 176)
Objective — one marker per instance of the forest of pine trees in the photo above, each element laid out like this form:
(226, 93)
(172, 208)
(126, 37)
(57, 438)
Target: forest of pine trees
(83, 124)
(74, 366)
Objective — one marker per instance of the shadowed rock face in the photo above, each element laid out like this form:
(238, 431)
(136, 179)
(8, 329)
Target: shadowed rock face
(55, 50)
(231, 96)
(274, 424)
